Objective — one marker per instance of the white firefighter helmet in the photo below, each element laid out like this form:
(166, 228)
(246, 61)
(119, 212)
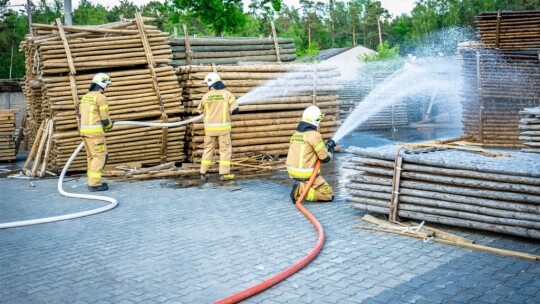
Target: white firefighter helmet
(102, 79)
(211, 78)
(312, 115)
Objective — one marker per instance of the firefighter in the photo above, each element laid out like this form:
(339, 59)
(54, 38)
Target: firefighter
(94, 118)
(217, 105)
(307, 145)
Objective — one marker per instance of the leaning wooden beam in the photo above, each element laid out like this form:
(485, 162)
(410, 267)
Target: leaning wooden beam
(461, 244)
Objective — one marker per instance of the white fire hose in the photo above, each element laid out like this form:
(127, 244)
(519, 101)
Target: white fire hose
(113, 202)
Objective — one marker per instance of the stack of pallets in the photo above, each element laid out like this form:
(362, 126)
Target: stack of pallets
(7, 135)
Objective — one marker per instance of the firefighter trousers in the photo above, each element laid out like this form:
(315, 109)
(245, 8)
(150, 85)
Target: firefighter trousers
(96, 153)
(225, 152)
(320, 191)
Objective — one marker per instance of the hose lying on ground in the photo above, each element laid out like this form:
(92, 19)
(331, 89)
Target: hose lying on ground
(112, 201)
(296, 266)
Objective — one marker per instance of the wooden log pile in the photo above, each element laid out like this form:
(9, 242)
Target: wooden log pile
(449, 187)
(271, 98)
(389, 117)
(497, 85)
(60, 64)
(231, 50)
(508, 30)
(529, 126)
(11, 85)
(7, 135)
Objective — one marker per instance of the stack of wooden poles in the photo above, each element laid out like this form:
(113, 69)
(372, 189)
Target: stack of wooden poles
(500, 78)
(231, 50)
(449, 187)
(271, 99)
(391, 116)
(529, 126)
(508, 30)
(7, 135)
(60, 63)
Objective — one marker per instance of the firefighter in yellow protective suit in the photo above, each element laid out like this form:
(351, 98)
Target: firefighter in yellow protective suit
(217, 105)
(307, 145)
(94, 117)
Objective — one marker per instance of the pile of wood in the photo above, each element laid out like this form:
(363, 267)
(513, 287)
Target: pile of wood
(60, 63)
(497, 85)
(256, 165)
(7, 135)
(389, 117)
(508, 30)
(529, 126)
(11, 85)
(271, 98)
(221, 50)
(452, 187)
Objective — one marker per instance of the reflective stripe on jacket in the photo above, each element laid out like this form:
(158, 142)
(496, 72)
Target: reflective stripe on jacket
(217, 105)
(305, 149)
(93, 109)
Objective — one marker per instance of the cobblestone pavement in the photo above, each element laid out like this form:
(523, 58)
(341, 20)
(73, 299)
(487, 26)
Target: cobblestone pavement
(170, 243)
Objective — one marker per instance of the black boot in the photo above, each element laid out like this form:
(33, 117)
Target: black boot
(204, 177)
(294, 191)
(103, 187)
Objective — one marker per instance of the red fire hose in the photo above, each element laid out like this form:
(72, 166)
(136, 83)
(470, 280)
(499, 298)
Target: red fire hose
(253, 290)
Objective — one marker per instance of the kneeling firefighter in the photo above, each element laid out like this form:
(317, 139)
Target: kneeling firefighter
(94, 117)
(217, 105)
(307, 145)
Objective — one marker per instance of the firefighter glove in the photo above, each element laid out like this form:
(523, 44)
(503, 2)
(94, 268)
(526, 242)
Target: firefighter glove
(330, 145)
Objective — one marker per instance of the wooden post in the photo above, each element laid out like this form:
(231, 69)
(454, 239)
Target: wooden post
(41, 172)
(189, 54)
(276, 44)
(498, 30)
(34, 146)
(314, 93)
(72, 71)
(394, 202)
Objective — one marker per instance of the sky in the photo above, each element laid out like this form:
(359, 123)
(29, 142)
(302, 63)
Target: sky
(395, 7)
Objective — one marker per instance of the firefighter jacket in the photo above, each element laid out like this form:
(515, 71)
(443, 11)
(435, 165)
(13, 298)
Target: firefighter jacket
(306, 147)
(217, 106)
(94, 114)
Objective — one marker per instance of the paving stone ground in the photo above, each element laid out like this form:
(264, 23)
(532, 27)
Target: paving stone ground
(165, 243)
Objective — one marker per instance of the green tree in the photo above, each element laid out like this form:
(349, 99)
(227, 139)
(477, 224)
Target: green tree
(126, 9)
(13, 28)
(88, 14)
(222, 16)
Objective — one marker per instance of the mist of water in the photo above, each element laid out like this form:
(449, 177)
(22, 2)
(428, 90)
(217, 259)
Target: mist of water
(423, 77)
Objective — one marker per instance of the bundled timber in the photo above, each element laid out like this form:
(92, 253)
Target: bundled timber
(497, 85)
(352, 96)
(449, 187)
(231, 50)
(93, 47)
(11, 85)
(271, 98)
(529, 126)
(60, 64)
(509, 30)
(7, 135)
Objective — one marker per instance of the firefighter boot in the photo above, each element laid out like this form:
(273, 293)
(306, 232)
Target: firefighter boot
(294, 191)
(204, 177)
(103, 187)
(227, 177)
